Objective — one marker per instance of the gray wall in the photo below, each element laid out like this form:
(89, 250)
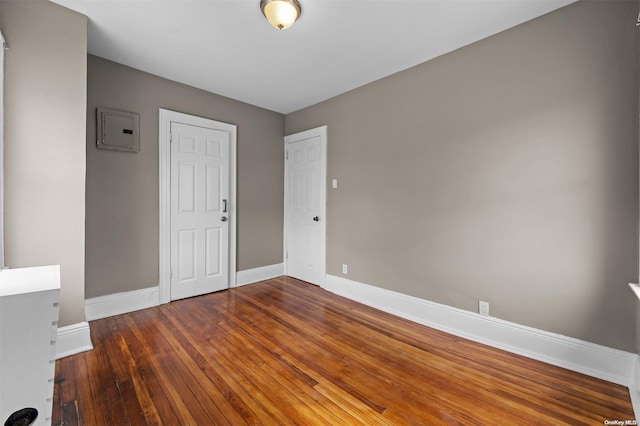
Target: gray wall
(44, 163)
(122, 188)
(506, 171)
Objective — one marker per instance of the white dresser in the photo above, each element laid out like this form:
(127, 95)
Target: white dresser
(28, 329)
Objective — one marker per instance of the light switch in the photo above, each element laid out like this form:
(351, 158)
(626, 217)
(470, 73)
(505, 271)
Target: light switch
(334, 183)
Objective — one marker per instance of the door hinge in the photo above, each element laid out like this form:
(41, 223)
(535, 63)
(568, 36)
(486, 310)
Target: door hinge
(170, 137)
(287, 155)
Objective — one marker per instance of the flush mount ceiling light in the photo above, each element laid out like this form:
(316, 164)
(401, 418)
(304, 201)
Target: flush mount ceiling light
(281, 14)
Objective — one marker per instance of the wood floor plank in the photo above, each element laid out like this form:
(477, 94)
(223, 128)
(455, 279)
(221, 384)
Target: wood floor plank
(119, 363)
(490, 360)
(66, 391)
(298, 376)
(355, 359)
(412, 363)
(287, 352)
(170, 377)
(292, 386)
(153, 385)
(233, 386)
(135, 380)
(104, 390)
(209, 393)
(70, 413)
(84, 397)
(350, 369)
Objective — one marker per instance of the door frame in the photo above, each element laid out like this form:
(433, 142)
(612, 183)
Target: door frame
(164, 194)
(322, 132)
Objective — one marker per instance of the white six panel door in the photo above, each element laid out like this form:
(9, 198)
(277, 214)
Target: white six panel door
(304, 209)
(199, 207)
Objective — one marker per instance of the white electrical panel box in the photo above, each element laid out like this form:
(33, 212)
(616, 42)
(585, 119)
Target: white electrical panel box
(118, 130)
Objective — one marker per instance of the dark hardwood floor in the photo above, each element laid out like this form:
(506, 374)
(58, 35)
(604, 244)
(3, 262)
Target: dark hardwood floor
(286, 352)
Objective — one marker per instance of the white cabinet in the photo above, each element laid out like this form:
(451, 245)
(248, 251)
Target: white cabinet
(28, 329)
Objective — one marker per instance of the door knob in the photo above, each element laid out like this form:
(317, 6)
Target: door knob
(223, 218)
(316, 219)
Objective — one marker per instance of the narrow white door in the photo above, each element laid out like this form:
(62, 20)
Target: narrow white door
(305, 187)
(199, 210)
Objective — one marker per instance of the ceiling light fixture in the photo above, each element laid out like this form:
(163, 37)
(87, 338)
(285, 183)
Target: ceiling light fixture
(281, 14)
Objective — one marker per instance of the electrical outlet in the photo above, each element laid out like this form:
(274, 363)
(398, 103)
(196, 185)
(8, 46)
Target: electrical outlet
(345, 269)
(483, 308)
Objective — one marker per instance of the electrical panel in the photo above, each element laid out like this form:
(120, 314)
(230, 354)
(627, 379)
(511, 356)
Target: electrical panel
(118, 130)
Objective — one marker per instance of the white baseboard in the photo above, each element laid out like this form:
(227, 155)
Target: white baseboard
(73, 339)
(634, 389)
(577, 355)
(130, 301)
(255, 275)
(121, 303)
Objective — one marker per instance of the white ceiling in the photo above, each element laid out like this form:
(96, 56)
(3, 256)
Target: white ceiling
(227, 47)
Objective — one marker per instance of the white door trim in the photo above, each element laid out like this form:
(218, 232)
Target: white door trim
(164, 195)
(322, 133)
